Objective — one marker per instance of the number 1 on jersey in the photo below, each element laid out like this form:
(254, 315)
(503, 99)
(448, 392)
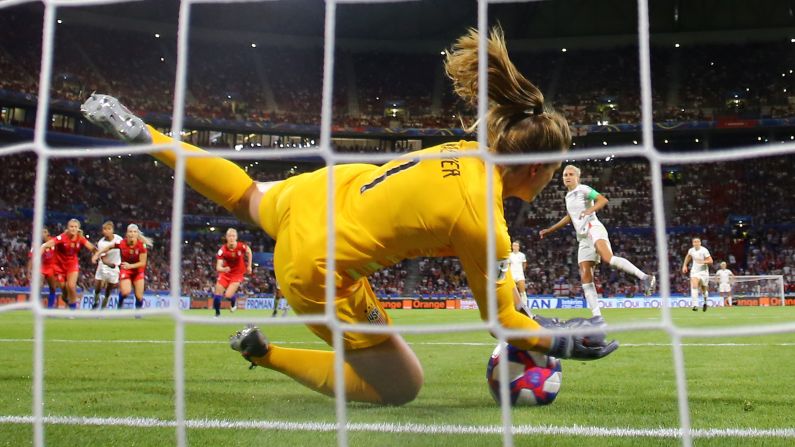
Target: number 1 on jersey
(392, 171)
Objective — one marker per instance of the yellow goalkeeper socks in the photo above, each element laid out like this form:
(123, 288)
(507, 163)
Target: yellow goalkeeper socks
(218, 179)
(315, 369)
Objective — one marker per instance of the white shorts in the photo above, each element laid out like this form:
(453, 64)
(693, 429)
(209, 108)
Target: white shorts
(727, 288)
(703, 279)
(587, 250)
(518, 275)
(106, 273)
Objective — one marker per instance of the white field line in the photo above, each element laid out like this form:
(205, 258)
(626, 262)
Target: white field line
(441, 343)
(396, 428)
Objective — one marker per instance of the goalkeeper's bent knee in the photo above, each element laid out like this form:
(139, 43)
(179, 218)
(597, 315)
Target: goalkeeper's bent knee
(216, 178)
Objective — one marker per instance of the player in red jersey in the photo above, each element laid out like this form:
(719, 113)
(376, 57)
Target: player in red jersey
(47, 267)
(133, 264)
(67, 245)
(231, 266)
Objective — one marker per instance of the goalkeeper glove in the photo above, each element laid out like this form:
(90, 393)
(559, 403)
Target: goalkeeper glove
(582, 347)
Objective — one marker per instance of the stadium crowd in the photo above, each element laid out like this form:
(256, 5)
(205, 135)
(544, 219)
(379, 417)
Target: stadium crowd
(705, 202)
(593, 86)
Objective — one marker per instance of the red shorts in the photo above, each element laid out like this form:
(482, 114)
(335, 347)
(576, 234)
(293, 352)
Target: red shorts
(62, 271)
(48, 270)
(224, 279)
(132, 275)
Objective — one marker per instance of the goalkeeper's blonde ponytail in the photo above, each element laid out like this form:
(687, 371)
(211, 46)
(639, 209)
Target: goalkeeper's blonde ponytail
(517, 119)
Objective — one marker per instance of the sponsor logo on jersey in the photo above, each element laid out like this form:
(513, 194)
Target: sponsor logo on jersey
(374, 315)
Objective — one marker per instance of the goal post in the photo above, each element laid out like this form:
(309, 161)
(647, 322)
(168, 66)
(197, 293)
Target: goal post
(753, 290)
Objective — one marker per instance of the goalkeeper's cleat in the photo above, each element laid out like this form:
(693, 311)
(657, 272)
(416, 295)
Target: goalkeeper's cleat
(705, 307)
(108, 113)
(250, 342)
(649, 284)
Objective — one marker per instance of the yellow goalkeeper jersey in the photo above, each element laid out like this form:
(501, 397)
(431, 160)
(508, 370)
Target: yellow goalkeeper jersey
(406, 208)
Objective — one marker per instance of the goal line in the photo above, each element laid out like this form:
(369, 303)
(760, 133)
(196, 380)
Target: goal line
(425, 429)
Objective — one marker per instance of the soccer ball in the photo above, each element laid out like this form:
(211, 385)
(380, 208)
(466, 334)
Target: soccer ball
(535, 378)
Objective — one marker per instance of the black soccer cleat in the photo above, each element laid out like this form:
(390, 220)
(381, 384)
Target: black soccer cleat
(250, 342)
(695, 308)
(704, 308)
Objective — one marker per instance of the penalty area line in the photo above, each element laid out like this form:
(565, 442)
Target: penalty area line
(393, 428)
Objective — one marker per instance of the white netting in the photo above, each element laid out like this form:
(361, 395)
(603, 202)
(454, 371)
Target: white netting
(656, 159)
(763, 290)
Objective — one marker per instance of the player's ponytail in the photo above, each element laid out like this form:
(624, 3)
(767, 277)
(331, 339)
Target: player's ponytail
(517, 119)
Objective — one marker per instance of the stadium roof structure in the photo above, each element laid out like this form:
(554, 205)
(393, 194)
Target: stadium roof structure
(437, 22)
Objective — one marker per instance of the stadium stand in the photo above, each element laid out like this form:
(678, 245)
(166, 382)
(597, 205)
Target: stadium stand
(387, 90)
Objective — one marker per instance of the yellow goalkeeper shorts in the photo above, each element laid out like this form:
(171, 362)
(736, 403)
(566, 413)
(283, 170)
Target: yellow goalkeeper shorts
(300, 265)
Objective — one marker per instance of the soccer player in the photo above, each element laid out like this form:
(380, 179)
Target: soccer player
(384, 214)
(582, 203)
(107, 274)
(67, 245)
(47, 268)
(133, 264)
(278, 297)
(725, 283)
(699, 272)
(518, 262)
(233, 260)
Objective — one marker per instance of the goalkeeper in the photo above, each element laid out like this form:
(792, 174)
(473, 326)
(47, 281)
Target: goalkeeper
(384, 215)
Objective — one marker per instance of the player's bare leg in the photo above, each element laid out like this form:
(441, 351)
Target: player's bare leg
(125, 287)
(230, 294)
(606, 254)
(71, 290)
(98, 286)
(108, 291)
(138, 286)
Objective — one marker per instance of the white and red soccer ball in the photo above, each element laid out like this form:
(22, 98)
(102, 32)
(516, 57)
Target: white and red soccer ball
(534, 378)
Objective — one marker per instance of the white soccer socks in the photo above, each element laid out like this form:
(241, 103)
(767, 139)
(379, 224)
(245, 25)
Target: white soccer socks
(589, 290)
(626, 266)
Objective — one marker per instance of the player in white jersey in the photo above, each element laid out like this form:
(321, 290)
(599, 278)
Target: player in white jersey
(107, 275)
(518, 262)
(278, 296)
(725, 282)
(699, 272)
(582, 203)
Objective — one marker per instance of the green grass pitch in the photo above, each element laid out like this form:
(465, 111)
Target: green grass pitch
(125, 369)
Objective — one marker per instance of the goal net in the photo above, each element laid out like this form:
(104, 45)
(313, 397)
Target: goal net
(752, 290)
(342, 425)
